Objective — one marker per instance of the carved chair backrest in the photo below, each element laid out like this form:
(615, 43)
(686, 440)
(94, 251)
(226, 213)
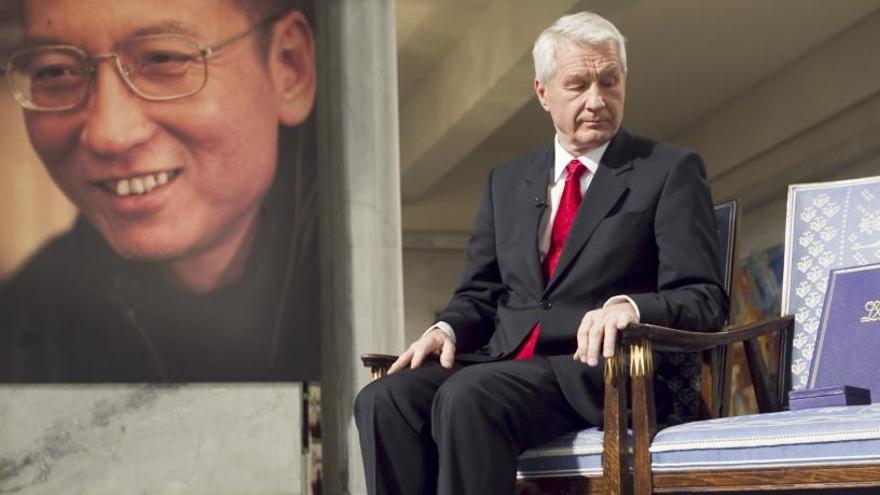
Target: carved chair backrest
(828, 225)
(682, 373)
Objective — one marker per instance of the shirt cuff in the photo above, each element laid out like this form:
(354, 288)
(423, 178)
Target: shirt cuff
(445, 328)
(622, 298)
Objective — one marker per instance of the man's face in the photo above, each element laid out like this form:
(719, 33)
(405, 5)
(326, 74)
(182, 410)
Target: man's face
(585, 96)
(215, 151)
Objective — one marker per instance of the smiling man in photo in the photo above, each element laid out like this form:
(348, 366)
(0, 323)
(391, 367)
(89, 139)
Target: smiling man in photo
(160, 121)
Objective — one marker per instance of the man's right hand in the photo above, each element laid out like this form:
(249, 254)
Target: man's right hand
(433, 342)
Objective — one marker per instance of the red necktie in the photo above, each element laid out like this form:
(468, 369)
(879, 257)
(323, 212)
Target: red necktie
(568, 207)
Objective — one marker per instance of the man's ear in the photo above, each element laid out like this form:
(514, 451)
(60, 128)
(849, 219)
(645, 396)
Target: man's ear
(291, 64)
(541, 91)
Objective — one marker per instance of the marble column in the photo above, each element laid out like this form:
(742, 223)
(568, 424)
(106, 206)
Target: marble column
(360, 203)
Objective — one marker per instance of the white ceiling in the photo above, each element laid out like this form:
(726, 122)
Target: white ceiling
(426, 29)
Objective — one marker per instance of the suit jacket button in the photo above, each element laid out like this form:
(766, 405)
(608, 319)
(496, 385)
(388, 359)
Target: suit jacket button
(546, 304)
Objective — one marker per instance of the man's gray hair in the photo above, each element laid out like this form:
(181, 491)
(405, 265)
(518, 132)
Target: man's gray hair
(582, 28)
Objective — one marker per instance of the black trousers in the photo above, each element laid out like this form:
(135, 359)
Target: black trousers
(459, 431)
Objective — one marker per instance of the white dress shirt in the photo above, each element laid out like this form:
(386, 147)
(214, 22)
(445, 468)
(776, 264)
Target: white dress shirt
(561, 158)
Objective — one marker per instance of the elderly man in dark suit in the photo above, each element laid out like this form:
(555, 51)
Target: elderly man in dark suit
(571, 245)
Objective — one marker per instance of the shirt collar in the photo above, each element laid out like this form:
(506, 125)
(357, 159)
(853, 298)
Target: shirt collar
(561, 158)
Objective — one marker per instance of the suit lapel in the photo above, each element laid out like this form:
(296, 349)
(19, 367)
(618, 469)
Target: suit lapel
(610, 182)
(532, 205)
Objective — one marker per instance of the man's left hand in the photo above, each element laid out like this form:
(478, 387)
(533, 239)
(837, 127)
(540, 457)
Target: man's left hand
(598, 331)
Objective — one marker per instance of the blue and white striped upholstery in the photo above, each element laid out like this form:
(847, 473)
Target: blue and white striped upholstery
(832, 435)
(575, 454)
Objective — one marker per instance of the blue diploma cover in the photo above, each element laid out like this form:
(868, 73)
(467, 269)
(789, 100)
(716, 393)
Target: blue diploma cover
(847, 348)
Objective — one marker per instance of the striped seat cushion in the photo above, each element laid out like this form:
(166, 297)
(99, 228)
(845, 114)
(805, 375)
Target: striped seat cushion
(822, 436)
(576, 453)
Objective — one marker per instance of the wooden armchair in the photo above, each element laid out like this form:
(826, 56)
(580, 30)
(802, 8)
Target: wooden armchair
(598, 460)
(820, 448)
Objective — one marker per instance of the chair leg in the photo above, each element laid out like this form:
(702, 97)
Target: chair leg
(644, 416)
(615, 458)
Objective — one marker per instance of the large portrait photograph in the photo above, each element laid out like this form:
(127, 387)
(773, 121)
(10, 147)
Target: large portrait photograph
(159, 197)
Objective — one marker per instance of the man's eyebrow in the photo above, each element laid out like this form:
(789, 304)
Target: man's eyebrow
(32, 41)
(165, 27)
(612, 68)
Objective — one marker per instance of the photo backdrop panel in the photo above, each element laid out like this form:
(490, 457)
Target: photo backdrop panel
(160, 224)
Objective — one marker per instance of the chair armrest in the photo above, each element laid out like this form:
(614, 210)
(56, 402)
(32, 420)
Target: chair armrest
(378, 363)
(671, 339)
(640, 340)
(769, 397)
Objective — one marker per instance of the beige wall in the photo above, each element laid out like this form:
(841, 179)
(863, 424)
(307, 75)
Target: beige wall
(32, 209)
(429, 277)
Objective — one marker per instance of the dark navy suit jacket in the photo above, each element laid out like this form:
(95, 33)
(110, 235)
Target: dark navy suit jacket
(645, 229)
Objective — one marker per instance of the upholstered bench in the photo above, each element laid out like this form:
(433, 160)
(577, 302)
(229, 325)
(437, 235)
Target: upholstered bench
(820, 436)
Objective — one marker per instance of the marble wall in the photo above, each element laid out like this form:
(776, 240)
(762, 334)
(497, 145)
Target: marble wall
(145, 439)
